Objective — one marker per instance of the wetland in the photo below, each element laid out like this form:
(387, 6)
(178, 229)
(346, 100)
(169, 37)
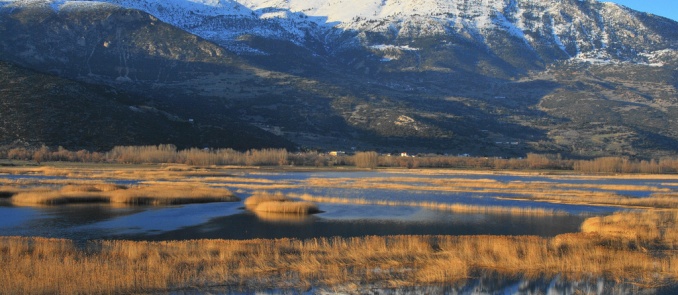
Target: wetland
(188, 228)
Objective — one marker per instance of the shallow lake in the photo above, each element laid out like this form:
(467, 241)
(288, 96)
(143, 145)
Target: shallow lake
(230, 221)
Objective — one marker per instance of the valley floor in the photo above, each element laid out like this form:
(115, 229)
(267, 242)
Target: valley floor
(637, 245)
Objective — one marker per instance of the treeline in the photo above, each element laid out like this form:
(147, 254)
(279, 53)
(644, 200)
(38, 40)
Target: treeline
(281, 157)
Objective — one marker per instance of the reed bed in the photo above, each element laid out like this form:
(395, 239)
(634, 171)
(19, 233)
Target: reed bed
(465, 185)
(172, 195)
(299, 208)
(40, 265)
(455, 207)
(118, 194)
(279, 203)
(654, 229)
(665, 201)
(261, 197)
(588, 194)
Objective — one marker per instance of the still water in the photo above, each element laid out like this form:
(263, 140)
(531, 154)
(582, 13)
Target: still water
(230, 221)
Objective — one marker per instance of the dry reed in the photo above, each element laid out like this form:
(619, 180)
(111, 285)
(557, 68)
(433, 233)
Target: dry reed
(38, 265)
(258, 198)
(455, 207)
(299, 208)
(279, 203)
(111, 193)
(649, 228)
(589, 194)
(172, 195)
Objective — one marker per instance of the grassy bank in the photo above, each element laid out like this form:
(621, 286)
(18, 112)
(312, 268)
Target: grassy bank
(39, 265)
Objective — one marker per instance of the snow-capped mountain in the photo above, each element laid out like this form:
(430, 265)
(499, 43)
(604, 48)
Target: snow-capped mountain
(551, 29)
(500, 77)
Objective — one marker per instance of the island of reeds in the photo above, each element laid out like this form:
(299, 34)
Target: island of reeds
(279, 203)
(157, 194)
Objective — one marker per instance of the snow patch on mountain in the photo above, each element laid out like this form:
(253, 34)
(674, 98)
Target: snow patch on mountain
(584, 29)
(391, 47)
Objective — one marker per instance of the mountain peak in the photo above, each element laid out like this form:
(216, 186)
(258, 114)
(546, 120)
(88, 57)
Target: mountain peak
(580, 77)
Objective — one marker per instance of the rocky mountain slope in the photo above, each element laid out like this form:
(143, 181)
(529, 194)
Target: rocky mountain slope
(522, 34)
(491, 77)
(43, 109)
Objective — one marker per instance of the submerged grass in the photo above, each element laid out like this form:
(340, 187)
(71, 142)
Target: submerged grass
(39, 265)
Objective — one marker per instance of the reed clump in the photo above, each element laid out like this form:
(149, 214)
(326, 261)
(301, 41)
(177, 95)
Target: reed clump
(172, 195)
(301, 208)
(279, 203)
(258, 198)
(648, 229)
(158, 194)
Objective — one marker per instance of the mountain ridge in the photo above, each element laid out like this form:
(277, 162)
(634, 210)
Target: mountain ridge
(491, 78)
(576, 28)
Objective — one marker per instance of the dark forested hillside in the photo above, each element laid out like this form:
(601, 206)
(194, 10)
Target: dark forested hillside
(44, 109)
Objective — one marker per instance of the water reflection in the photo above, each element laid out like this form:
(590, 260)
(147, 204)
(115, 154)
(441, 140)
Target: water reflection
(282, 218)
(407, 221)
(490, 283)
(497, 284)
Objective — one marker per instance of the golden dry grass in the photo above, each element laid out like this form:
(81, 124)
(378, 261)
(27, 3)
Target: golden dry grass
(258, 198)
(111, 193)
(39, 265)
(643, 227)
(458, 208)
(638, 247)
(554, 192)
(172, 195)
(578, 194)
(279, 203)
(299, 208)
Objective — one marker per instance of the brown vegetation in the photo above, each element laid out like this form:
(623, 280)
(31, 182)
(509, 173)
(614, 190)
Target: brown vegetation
(635, 247)
(554, 192)
(39, 265)
(366, 160)
(258, 198)
(299, 208)
(458, 208)
(111, 193)
(652, 229)
(278, 203)
(278, 157)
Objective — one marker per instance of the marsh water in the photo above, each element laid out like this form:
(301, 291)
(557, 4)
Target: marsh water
(230, 221)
